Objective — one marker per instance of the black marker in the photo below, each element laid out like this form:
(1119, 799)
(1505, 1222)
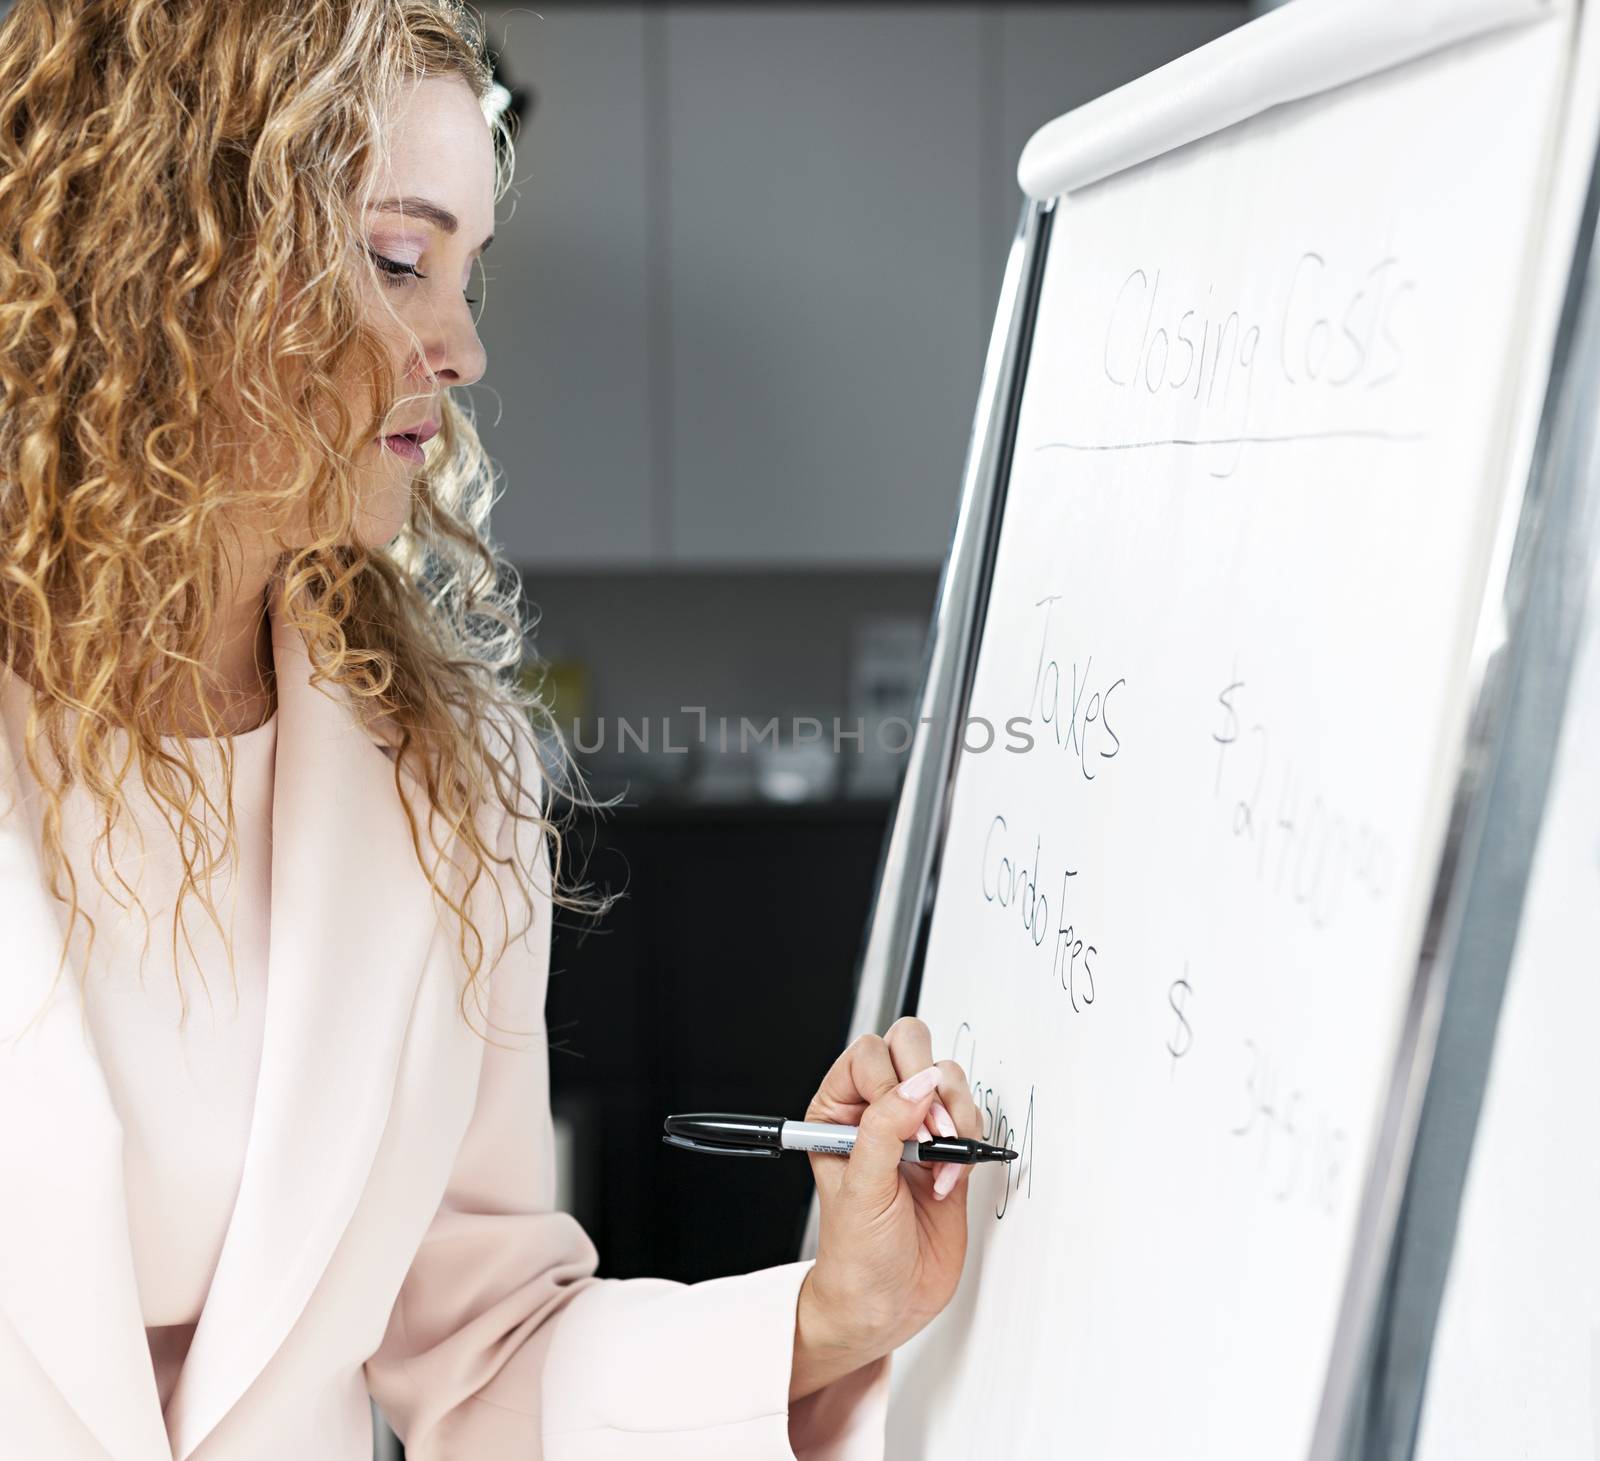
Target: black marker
(724, 1134)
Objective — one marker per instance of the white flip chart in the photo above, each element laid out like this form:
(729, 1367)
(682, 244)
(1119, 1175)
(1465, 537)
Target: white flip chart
(1272, 417)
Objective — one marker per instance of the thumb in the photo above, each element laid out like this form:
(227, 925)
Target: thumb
(886, 1125)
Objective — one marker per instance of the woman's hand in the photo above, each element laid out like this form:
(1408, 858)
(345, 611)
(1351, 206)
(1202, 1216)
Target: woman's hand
(893, 1234)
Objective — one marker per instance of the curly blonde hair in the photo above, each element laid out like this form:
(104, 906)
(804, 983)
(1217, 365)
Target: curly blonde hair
(176, 179)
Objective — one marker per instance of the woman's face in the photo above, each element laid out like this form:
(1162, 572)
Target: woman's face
(432, 216)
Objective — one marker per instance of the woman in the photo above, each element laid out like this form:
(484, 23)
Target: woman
(255, 640)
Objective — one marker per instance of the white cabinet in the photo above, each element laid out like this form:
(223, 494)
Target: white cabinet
(738, 316)
(566, 405)
(824, 279)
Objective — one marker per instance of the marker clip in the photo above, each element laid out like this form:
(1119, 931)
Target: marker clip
(720, 1148)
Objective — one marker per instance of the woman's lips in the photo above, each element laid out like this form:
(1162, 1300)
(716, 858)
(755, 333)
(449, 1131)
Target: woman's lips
(404, 446)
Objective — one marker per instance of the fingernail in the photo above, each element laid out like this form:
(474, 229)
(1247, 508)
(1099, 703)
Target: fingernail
(920, 1084)
(941, 1119)
(948, 1172)
(923, 1134)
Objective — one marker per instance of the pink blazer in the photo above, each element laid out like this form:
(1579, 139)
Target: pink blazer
(395, 1230)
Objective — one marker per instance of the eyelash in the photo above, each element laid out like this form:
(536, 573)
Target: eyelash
(397, 270)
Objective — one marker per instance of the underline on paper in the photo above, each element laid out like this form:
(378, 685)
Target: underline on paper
(1350, 434)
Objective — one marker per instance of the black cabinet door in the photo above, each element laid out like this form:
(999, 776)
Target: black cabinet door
(723, 980)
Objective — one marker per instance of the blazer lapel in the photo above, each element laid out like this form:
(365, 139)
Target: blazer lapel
(67, 1283)
(352, 925)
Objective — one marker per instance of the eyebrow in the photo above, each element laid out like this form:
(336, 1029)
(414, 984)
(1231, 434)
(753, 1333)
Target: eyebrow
(441, 218)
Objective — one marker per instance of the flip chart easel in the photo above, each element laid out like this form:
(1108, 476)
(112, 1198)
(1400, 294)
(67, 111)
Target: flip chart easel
(1222, 775)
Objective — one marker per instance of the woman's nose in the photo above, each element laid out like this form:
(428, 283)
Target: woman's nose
(455, 355)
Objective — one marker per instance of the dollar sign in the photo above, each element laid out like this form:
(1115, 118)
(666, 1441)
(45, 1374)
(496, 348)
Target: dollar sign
(1230, 727)
(1182, 1037)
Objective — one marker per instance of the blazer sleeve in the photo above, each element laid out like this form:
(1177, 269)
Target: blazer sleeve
(504, 1345)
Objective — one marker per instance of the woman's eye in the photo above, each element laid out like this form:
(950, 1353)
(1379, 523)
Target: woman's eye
(397, 271)
(395, 268)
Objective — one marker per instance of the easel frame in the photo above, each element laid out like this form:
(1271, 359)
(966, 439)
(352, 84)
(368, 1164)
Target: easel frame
(1530, 616)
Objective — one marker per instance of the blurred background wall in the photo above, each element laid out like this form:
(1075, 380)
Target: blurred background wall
(736, 313)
